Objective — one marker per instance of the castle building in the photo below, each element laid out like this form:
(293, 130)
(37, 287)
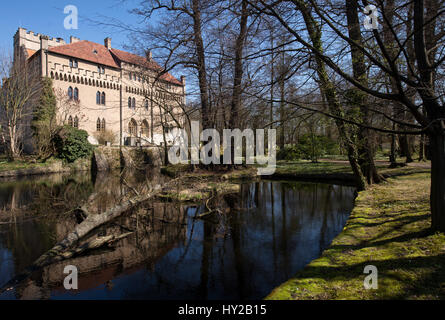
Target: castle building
(104, 90)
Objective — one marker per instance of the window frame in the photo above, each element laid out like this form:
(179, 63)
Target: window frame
(103, 98)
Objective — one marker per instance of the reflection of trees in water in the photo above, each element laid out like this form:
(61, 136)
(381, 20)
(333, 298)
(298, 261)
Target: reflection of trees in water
(252, 242)
(157, 227)
(47, 205)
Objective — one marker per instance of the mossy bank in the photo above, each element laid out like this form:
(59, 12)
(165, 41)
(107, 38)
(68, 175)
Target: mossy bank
(390, 229)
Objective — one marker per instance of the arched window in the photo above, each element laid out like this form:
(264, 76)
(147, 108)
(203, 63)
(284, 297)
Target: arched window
(102, 101)
(103, 125)
(131, 76)
(133, 103)
(132, 127)
(76, 122)
(129, 103)
(145, 128)
(70, 92)
(146, 104)
(98, 124)
(97, 97)
(70, 121)
(76, 94)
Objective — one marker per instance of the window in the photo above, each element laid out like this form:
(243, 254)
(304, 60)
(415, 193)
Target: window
(132, 127)
(76, 94)
(70, 92)
(70, 121)
(102, 101)
(101, 70)
(98, 124)
(133, 103)
(76, 122)
(73, 63)
(129, 103)
(102, 126)
(97, 97)
(146, 104)
(131, 76)
(145, 128)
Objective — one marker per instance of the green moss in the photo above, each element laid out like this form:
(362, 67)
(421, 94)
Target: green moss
(25, 164)
(388, 228)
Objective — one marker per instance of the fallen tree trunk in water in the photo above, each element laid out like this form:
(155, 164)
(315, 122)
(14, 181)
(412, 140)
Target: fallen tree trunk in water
(94, 244)
(62, 251)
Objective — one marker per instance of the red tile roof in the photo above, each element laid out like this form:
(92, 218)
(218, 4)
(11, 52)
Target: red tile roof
(30, 52)
(97, 53)
(89, 51)
(144, 62)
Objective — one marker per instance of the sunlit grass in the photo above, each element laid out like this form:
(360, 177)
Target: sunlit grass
(389, 228)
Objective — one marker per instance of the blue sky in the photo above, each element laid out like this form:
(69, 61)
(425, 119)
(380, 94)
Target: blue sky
(47, 17)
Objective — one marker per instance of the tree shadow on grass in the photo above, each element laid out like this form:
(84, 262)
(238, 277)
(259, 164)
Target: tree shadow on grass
(401, 236)
(421, 276)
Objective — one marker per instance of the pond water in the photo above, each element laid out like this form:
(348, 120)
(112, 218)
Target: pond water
(252, 242)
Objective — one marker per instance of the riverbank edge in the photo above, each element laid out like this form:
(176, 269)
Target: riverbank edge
(389, 228)
(223, 182)
(57, 166)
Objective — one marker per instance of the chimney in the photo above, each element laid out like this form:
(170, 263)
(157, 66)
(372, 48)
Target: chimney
(183, 80)
(44, 42)
(74, 39)
(149, 55)
(107, 43)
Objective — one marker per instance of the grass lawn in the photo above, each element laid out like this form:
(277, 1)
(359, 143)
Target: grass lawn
(308, 167)
(22, 164)
(388, 228)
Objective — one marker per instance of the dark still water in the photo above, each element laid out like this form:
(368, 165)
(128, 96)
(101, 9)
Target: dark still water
(252, 242)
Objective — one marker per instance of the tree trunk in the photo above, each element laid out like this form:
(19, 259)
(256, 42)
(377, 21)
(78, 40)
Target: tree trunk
(422, 148)
(405, 147)
(437, 196)
(201, 65)
(328, 89)
(366, 148)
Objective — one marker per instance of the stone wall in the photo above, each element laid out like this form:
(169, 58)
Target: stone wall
(114, 158)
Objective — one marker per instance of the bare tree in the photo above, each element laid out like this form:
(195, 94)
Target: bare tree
(425, 64)
(20, 87)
